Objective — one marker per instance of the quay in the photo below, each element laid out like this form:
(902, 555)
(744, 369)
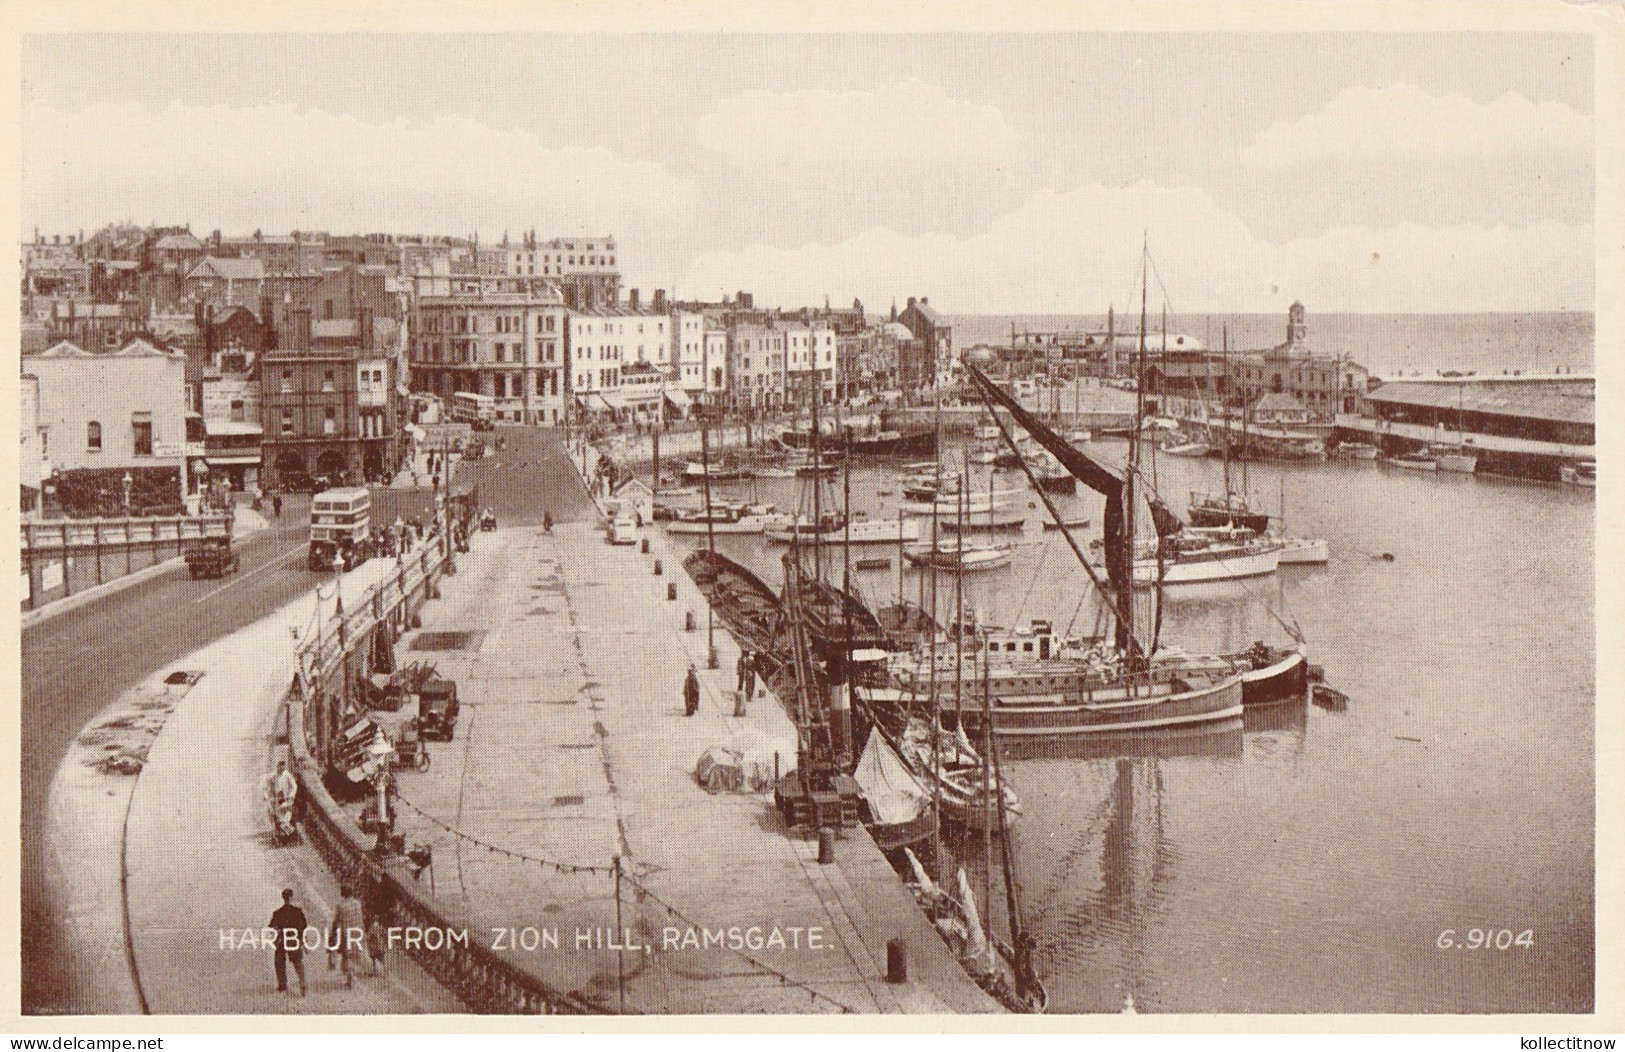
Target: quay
(573, 751)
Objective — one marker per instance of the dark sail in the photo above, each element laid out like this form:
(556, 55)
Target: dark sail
(1101, 479)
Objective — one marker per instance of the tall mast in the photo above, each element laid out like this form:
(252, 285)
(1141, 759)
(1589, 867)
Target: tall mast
(1125, 625)
(705, 481)
(844, 718)
(818, 489)
(1226, 417)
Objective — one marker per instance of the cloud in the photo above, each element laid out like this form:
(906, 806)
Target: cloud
(899, 121)
(277, 167)
(1080, 251)
(1401, 125)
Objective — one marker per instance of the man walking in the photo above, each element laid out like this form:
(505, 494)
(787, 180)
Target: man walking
(743, 669)
(749, 686)
(289, 924)
(276, 505)
(347, 934)
(691, 693)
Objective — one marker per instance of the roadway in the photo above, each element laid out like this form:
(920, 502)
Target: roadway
(76, 663)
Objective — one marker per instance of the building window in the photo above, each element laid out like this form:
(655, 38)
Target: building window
(287, 381)
(327, 310)
(327, 382)
(238, 411)
(330, 422)
(142, 435)
(287, 421)
(93, 436)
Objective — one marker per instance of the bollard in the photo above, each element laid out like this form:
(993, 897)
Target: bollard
(657, 568)
(826, 846)
(688, 621)
(739, 703)
(645, 546)
(671, 590)
(896, 961)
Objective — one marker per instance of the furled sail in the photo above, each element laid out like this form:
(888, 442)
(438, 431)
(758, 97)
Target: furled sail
(893, 793)
(1104, 481)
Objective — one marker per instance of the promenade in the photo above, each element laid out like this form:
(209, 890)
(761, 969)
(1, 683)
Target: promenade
(146, 870)
(573, 749)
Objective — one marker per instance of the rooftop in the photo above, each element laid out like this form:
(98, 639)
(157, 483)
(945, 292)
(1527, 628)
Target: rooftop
(1565, 400)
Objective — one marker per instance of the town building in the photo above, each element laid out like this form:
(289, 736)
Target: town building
(620, 361)
(937, 339)
(328, 396)
(491, 338)
(756, 367)
(227, 282)
(295, 253)
(105, 417)
(583, 268)
(1325, 383)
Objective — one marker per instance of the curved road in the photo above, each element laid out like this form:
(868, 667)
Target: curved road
(77, 662)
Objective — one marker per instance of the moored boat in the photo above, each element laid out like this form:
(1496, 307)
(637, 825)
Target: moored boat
(1358, 451)
(947, 555)
(836, 532)
(1413, 462)
(1579, 473)
(726, 518)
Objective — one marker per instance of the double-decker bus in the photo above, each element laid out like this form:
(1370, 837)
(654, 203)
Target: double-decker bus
(340, 520)
(477, 410)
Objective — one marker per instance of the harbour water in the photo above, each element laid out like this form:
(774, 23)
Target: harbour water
(1312, 860)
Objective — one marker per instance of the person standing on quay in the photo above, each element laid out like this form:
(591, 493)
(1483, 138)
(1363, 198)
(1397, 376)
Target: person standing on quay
(276, 505)
(743, 669)
(691, 693)
(750, 675)
(289, 924)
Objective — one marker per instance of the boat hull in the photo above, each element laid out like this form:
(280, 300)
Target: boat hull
(871, 532)
(1201, 515)
(748, 524)
(1299, 551)
(1575, 476)
(1286, 679)
(1460, 463)
(1109, 712)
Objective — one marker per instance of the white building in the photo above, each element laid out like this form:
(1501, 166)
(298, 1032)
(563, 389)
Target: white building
(509, 345)
(122, 412)
(620, 360)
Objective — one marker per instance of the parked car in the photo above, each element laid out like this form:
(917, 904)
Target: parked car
(437, 709)
(623, 530)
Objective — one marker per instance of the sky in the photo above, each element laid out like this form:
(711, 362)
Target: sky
(991, 173)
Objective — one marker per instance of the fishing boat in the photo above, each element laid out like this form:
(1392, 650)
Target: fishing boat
(1196, 558)
(726, 517)
(898, 810)
(1358, 451)
(1189, 448)
(1117, 685)
(949, 555)
(1454, 458)
(1228, 509)
(1051, 477)
(1414, 462)
(715, 472)
(747, 607)
(929, 485)
(910, 442)
(1579, 473)
(836, 531)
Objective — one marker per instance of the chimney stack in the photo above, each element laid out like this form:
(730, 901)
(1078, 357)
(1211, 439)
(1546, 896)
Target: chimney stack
(363, 324)
(632, 298)
(660, 301)
(301, 328)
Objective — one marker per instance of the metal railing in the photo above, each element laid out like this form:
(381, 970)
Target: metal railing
(480, 977)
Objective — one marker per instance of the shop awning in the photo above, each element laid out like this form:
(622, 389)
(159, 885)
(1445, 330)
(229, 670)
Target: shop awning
(679, 399)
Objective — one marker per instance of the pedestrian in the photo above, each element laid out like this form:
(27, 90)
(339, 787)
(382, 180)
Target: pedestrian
(691, 693)
(276, 505)
(345, 937)
(750, 676)
(289, 924)
(742, 669)
(376, 942)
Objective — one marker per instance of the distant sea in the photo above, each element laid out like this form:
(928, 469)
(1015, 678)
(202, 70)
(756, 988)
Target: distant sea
(1386, 344)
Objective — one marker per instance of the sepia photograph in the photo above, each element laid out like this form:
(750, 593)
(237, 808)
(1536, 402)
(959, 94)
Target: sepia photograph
(1088, 521)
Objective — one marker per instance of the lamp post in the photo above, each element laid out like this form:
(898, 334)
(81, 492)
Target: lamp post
(380, 751)
(129, 483)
